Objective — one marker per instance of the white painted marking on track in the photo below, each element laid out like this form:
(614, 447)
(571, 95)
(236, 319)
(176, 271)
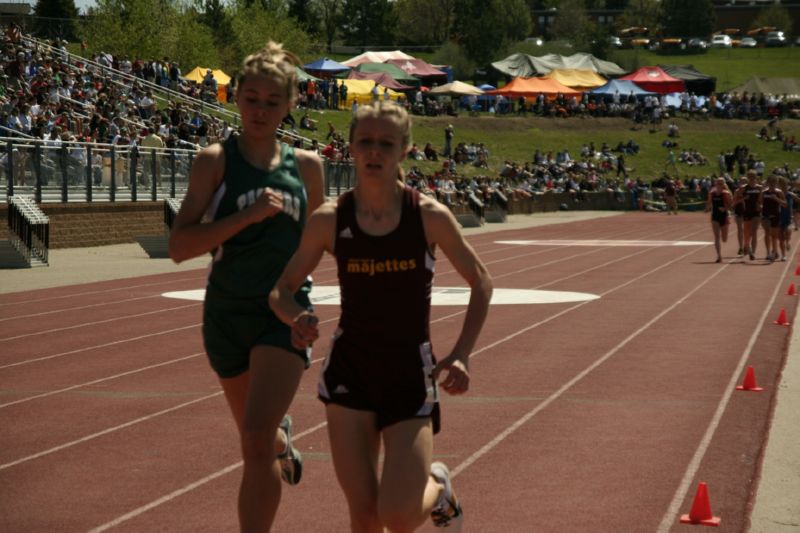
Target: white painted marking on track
(187, 488)
(329, 295)
(603, 242)
(192, 486)
(108, 430)
(669, 517)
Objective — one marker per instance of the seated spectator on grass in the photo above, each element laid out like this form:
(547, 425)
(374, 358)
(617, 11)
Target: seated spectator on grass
(430, 153)
(306, 123)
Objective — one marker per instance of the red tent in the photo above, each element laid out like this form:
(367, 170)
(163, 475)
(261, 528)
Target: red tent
(531, 87)
(655, 80)
(418, 68)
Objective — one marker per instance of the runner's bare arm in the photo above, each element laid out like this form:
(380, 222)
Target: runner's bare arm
(317, 239)
(190, 236)
(311, 172)
(441, 229)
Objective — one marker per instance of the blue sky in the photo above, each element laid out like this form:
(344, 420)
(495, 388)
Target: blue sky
(83, 4)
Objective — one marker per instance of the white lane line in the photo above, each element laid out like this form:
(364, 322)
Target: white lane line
(79, 308)
(95, 323)
(96, 346)
(108, 430)
(230, 468)
(486, 448)
(44, 358)
(187, 488)
(694, 464)
(100, 380)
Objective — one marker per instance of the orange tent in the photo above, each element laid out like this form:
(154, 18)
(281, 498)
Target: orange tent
(532, 87)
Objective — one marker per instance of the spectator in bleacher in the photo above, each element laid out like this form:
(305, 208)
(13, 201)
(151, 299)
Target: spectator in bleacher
(150, 142)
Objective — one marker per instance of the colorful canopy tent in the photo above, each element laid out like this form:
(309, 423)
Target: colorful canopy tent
(532, 87)
(418, 68)
(524, 65)
(775, 86)
(198, 73)
(656, 80)
(578, 79)
(302, 75)
(456, 88)
(622, 87)
(383, 79)
(375, 57)
(361, 91)
(696, 82)
(386, 68)
(325, 67)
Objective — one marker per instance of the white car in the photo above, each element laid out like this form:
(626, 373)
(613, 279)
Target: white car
(748, 42)
(721, 41)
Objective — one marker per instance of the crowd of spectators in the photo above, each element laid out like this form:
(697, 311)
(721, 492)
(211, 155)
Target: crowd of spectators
(48, 95)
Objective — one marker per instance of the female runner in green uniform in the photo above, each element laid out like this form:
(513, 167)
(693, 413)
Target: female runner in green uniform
(247, 203)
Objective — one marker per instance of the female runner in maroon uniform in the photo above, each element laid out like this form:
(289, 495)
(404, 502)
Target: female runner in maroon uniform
(752, 213)
(772, 200)
(379, 381)
(719, 203)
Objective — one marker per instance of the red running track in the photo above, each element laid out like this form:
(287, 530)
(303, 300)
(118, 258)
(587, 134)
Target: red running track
(600, 415)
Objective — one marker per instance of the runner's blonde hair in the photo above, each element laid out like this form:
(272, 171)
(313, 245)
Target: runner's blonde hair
(388, 110)
(274, 62)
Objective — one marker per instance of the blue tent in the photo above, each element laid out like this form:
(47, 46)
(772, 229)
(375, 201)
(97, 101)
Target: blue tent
(623, 87)
(325, 65)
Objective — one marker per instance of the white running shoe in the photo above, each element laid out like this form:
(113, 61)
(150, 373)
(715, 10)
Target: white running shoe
(291, 460)
(446, 511)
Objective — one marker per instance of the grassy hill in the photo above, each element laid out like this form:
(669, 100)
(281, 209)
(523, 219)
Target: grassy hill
(516, 139)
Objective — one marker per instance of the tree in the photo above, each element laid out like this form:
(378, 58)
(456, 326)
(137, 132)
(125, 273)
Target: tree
(253, 26)
(485, 27)
(451, 54)
(305, 13)
(642, 14)
(55, 19)
(687, 18)
(137, 28)
(368, 22)
(329, 11)
(425, 21)
(775, 16)
(571, 23)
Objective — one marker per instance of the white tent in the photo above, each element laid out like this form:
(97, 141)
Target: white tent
(375, 57)
(456, 88)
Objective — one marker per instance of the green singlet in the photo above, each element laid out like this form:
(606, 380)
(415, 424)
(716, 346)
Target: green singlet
(236, 314)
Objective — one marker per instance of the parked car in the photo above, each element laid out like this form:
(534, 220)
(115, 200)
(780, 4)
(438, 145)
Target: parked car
(697, 43)
(538, 41)
(748, 42)
(721, 41)
(775, 38)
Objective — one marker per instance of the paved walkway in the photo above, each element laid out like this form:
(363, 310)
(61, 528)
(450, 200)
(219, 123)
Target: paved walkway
(777, 504)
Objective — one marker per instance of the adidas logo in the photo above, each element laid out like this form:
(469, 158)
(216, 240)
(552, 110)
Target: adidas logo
(346, 233)
(340, 389)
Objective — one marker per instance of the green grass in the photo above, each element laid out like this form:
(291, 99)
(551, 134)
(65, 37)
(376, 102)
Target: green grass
(516, 138)
(731, 66)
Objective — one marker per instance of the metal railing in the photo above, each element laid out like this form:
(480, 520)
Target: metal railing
(28, 229)
(65, 171)
(70, 171)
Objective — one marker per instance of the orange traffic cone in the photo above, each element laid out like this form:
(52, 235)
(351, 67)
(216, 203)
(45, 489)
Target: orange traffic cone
(792, 291)
(749, 382)
(782, 318)
(701, 509)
